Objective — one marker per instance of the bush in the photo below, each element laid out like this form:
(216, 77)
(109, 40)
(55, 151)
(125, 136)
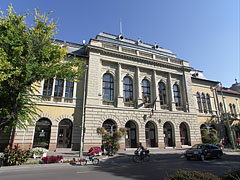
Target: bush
(15, 156)
(193, 175)
(232, 175)
(209, 136)
(51, 159)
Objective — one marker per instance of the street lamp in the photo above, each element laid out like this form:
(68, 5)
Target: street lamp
(83, 114)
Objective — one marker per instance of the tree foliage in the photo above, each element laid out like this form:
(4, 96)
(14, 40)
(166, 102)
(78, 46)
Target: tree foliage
(209, 136)
(111, 141)
(28, 55)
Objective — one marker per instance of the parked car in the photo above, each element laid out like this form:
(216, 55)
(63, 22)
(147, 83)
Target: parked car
(203, 151)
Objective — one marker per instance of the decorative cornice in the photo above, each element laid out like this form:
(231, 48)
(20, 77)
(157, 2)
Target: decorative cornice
(145, 60)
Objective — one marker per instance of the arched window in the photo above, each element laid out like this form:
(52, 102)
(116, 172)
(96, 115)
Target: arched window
(162, 93)
(199, 102)
(107, 87)
(176, 93)
(127, 89)
(69, 89)
(58, 91)
(209, 103)
(234, 109)
(221, 108)
(146, 95)
(109, 126)
(231, 109)
(204, 103)
(47, 87)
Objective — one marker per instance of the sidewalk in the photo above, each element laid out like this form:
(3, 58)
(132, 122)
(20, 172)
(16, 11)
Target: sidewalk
(69, 155)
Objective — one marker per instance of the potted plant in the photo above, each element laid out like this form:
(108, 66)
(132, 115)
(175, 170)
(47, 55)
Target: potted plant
(39, 152)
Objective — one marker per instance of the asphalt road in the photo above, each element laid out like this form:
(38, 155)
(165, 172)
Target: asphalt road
(120, 167)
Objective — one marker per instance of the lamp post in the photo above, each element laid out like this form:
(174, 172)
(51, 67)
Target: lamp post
(83, 114)
(228, 124)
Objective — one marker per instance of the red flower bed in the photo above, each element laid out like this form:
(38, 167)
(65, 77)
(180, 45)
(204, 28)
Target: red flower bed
(51, 159)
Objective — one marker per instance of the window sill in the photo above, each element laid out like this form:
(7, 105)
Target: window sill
(179, 108)
(108, 102)
(129, 104)
(164, 107)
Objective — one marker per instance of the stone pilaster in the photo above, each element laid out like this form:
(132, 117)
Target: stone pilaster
(120, 87)
(171, 95)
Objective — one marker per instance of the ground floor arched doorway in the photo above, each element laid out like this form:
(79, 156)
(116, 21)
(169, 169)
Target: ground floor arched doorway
(42, 133)
(64, 138)
(150, 135)
(184, 134)
(131, 135)
(168, 135)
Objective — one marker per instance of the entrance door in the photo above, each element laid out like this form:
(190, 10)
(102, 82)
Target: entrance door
(168, 138)
(184, 134)
(147, 134)
(64, 134)
(130, 139)
(150, 135)
(42, 133)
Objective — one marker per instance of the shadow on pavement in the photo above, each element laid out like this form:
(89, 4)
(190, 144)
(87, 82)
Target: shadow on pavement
(162, 166)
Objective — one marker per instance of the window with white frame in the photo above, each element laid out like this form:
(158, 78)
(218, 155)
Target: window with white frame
(58, 90)
(47, 87)
(69, 89)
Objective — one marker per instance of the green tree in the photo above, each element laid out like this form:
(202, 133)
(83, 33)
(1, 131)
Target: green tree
(209, 136)
(28, 55)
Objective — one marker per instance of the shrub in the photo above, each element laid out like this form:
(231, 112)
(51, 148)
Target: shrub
(209, 136)
(15, 156)
(193, 175)
(51, 159)
(232, 175)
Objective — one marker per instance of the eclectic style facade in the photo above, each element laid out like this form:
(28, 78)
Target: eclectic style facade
(160, 100)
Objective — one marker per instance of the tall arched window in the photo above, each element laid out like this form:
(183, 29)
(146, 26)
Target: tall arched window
(107, 87)
(231, 109)
(146, 95)
(176, 93)
(199, 102)
(209, 103)
(204, 103)
(162, 93)
(221, 108)
(58, 90)
(47, 87)
(127, 89)
(234, 110)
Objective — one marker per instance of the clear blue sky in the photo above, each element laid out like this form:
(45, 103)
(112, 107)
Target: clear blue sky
(203, 32)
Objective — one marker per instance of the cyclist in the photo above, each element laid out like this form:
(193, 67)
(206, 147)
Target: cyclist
(141, 149)
(91, 153)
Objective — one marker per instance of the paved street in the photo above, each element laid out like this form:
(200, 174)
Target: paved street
(121, 167)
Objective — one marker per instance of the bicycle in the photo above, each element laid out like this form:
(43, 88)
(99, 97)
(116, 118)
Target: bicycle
(94, 160)
(145, 157)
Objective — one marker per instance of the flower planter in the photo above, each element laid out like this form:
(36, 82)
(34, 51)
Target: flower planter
(39, 155)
